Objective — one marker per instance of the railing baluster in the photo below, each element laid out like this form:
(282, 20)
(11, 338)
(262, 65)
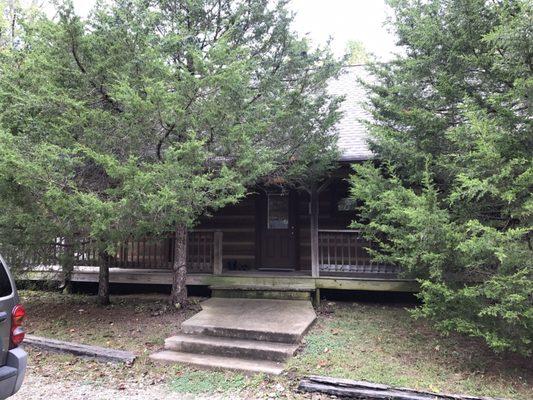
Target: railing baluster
(328, 246)
(198, 252)
(341, 237)
(320, 251)
(348, 249)
(204, 258)
(335, 242)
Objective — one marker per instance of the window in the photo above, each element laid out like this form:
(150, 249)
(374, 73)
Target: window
(278, 211)
(5, 284)
(346, 204)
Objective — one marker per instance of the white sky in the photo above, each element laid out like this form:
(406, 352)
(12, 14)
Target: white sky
(342, 20)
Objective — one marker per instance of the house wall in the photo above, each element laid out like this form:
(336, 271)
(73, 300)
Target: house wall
(239, 222)
(241, 225)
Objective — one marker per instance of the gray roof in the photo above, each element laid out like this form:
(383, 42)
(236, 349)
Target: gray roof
(352, 132)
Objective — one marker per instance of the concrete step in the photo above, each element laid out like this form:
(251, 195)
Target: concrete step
(217, 362)
(262, 292)
(228, 347)
(284, 321)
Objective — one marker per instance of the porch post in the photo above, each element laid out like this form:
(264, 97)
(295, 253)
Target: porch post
(313, 210)
(217, 252)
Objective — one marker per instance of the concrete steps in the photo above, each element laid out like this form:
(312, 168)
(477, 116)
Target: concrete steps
(262, 292)
(283, 321)
(251, 349)
(248, 335)
(193, 328)
(217, 362)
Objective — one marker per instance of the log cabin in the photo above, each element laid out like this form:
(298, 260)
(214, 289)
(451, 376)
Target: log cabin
(274, 238)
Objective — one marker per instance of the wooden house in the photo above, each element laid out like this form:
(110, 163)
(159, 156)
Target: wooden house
(274, 236)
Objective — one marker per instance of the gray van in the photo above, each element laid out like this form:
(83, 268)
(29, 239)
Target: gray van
(13, 359)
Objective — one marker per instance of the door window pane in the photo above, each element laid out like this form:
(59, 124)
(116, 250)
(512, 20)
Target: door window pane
(278, 211)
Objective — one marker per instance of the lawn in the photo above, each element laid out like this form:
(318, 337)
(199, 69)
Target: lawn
(377, 342)
(382, 343)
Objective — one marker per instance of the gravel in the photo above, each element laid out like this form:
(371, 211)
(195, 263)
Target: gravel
(45, 388)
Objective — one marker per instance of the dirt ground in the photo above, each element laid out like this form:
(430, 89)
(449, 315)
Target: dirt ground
(373, 341)
(37, 387)
(138, 323)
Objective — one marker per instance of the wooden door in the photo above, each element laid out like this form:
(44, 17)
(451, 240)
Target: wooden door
(278, 231)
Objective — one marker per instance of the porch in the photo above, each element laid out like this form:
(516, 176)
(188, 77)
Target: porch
(273, 237)
(343, 264)
(237, 278)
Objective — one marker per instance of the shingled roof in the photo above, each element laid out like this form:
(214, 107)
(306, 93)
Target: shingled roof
(352, 132)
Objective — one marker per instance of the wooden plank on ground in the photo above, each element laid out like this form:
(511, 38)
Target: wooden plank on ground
(373, 391)
(98, 353)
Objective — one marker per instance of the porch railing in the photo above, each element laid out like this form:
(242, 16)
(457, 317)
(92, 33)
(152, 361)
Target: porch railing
(344, 251)
(204, 253)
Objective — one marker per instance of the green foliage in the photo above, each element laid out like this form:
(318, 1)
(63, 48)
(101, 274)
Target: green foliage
(148, 114)
(451, 202)
(357, 53)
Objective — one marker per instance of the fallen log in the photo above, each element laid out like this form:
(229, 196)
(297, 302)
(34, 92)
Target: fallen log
(98, 353)
(373, 391)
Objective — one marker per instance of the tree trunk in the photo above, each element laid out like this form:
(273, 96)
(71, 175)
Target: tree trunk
(103, 279)
(178, 295)
(67, 266)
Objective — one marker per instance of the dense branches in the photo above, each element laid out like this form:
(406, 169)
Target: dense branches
(452, 201)
(154, 112)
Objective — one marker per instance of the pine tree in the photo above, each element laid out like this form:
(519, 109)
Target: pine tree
(158, 111)
(450, 199)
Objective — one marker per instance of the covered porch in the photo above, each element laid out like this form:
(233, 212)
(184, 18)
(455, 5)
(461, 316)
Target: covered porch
(273, 237)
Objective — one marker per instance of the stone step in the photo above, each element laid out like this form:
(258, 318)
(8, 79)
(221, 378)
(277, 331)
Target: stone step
(228, 347)
(218, 362)
(260, 294)
(284, 321)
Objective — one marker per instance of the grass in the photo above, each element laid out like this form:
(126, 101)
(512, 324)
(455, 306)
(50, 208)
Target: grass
(382, 343)
(201, 382)
(366, 341)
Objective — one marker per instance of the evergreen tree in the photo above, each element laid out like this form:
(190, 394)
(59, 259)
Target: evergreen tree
(451, 198)
(357, 53)
(158, 111)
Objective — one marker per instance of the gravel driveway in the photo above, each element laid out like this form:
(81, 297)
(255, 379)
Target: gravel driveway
(42, 388)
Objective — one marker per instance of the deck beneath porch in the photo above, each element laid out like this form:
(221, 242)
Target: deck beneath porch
(361, 281)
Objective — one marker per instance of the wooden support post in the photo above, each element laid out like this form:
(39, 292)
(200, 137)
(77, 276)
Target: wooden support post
(313, 211)
(317, 297)
(217, 252)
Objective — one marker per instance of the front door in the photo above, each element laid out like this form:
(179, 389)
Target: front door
(278, 233)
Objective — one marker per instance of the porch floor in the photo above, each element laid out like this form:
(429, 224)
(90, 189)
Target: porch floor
(371, 282)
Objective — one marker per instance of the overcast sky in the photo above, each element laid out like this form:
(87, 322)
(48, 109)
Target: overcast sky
(342, 20)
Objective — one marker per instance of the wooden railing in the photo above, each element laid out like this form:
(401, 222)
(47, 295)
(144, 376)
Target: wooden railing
(204, 253)
(344, 251)
(200, 252)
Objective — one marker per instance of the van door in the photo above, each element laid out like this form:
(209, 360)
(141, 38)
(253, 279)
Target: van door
(7, 302)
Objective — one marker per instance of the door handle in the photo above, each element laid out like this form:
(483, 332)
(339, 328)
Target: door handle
(3, 316)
